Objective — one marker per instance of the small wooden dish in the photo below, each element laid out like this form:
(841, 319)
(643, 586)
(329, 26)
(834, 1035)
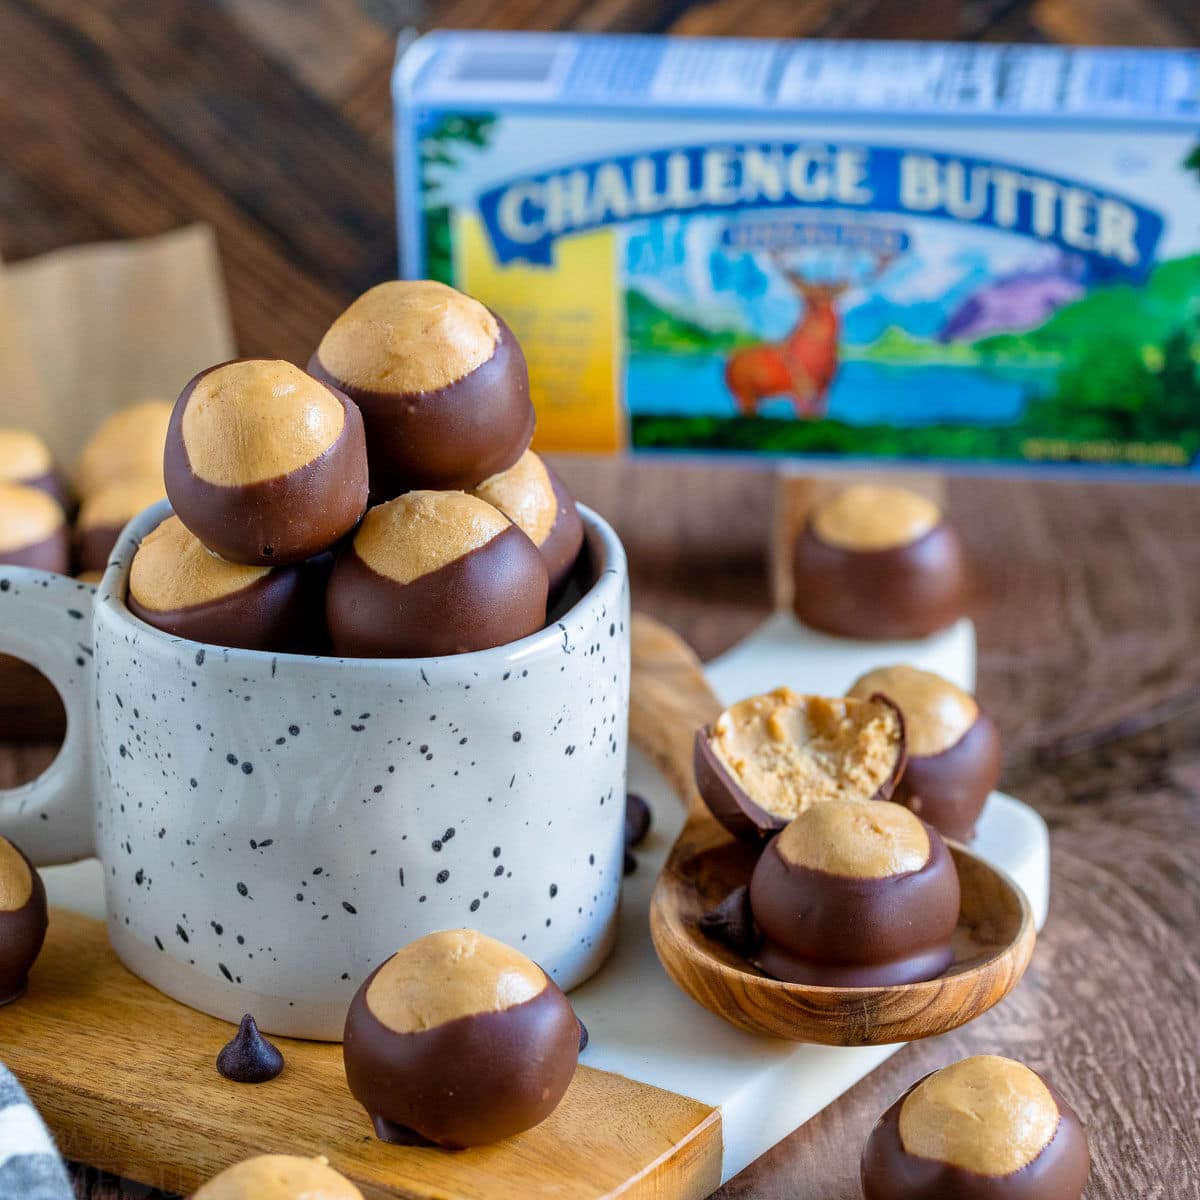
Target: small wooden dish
(995, 939)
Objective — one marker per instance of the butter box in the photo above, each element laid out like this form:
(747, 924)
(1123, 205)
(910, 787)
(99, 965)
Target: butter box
(960, 254)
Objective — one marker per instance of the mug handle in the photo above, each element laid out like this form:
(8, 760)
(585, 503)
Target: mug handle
(46, 619)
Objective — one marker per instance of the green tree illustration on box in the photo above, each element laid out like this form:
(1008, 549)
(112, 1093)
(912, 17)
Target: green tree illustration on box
(441, 153)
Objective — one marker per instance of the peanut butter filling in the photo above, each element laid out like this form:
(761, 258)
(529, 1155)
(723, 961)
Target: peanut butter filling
(173, 570)
(444, 976)
(409, 336)
(872, 840)
(127, 445)
(27, 516)
(986, 1114)
(789, 752)
(116, 503)
(525, 495)
(874, 517)
(23, 456)
(16, 879)
(247, 422)
(279, 1177)
(421, 532)
(936, 712)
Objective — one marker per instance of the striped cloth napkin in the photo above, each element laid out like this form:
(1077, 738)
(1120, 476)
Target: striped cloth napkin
(30, 1168)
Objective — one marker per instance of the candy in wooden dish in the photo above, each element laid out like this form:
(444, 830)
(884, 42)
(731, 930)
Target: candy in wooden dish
(878, 563)
(769, 758)
(441, 382)
(985, 1128)
(180, 587)
(855, 894)
(103, 515)
(992, 944)
(23, 920)
(126, 445)
(533, 497)
(265, 464)
(433, 573)
(459, 1040)
(279, 1177)
(33, 530)
(25, 459)
(953, 747)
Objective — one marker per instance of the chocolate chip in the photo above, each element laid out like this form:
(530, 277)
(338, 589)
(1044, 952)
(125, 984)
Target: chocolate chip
(583, 1036)
(637, 819)
(630, 864)
(732, 924)
(249, 1057)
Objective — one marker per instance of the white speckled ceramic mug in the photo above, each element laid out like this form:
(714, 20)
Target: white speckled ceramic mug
(273, 827)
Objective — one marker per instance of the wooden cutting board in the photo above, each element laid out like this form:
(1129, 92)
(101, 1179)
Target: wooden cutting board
(125, 1078)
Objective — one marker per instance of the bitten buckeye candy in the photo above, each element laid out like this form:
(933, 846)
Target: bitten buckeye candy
(178, 586)
(533, 497)
(769, 758)
(127, 445)
(441, 382)
(265, 464)
(26, 460)
(33, 530)
(434, 573)
(879, 564)
(986, 1128)
(953, 747)
(459, 1039)
(855, 894)
(105, 513)
(279, 1177)
(23, 920)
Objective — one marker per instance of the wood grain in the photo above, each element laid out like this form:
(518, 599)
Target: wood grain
(125, 1078)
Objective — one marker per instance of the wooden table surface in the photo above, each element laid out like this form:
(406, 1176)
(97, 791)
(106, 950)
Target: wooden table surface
(270, 120)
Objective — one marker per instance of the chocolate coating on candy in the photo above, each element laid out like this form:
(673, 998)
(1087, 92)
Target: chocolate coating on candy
(953, 747)
(461, 1040)
(855, 894)
(265, 464)
(279, 1177)
(434, 573)
(33, 530)
(178, 586)
(986, 1128)
(770, 757)
(23, 920)
(105, 513)
(879, 564)
(25, 459)
(533, 497)
(248, 1057)
(441, 382)
(127, 445)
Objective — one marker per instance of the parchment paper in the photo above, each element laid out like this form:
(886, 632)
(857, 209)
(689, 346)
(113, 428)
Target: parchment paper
(89, 329)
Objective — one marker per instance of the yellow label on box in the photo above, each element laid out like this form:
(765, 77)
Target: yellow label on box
(568, 319)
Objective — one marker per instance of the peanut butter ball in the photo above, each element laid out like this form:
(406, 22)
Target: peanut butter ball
(279, 1177)
(105, 513)
(953, 747)
(433, 573)
(265, 464)
(25, 459)
(986, 1128)
(182, 588)
(879, 563)
(855, 893)
(33, 530)
(460, 1040)
(769, 758)
(23, 920)
(441, 382)
(533, 497)
(127, 445)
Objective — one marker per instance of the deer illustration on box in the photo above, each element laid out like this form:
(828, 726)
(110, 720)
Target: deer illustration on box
(802, 365)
